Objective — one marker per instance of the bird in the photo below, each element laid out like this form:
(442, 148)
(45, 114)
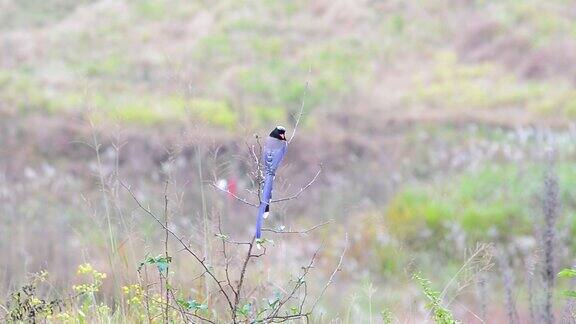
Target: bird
(272, 155)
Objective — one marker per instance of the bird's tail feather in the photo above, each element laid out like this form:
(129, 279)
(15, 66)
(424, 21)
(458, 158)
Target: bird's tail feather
(260, 219)
(264, 203)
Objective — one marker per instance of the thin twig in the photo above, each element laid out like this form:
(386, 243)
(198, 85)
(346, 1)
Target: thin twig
(304, 232)
(329, 282)
(259, 173)
(170, 292)
(471, 312)
(297, 194)
(226, 259)
(146, 298)
(234, 196)
(241, 280)
(166, 255)
(300, 113)
(299, 283)
(479, 249)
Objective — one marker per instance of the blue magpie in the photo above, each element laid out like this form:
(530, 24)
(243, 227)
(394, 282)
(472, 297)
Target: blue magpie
(272, 155)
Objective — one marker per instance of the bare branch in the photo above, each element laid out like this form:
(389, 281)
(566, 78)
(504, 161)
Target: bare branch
(297, 194)
(329, 282)
(304, 232)
(300, 113)
(241, 280)
(234, 196)
(226, 259)
(225, 238)
(252, 192)
(259, 172)
(166, 237)
(299, 283)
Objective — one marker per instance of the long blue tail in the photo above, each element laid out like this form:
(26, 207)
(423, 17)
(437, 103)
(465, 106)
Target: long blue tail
(260, 219)
(264, 203)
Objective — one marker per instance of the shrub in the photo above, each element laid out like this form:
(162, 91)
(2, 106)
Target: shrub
(491, 203)
(26, 305)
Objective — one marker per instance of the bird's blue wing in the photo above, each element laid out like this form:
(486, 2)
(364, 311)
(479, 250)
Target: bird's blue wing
(278, 157)
(273, 155)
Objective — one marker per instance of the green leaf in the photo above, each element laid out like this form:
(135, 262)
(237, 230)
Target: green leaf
(182, 302)
(273, 302)
(567, 273)
(262, 241)
(161, 262)
(192, 304)
(222, 236)
(245, 309)
(569, 293)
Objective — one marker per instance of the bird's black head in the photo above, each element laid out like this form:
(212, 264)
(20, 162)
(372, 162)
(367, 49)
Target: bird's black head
(279, 133)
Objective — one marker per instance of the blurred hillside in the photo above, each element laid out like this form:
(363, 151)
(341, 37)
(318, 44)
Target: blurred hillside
(434, 122)
(229, 62)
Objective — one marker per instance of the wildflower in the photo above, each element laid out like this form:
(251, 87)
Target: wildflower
(35, 301)
(85, 268)
(134, 300)
(103, 309)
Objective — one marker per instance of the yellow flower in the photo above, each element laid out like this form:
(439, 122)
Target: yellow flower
(103, 309)
(85, 268)
(99, 275)
(63, 316)
(42, 276)
(35, 301)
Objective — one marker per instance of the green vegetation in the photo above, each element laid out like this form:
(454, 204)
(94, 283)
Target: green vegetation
(31, 13)
(461, 86)
(493, 203)
(568, 273)
(543, 20)
(21, 91)
(440, 314)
